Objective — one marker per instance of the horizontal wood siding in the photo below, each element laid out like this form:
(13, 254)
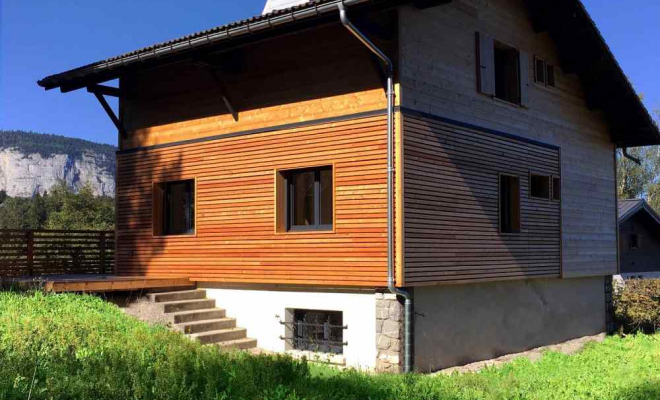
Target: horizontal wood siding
(438, 76)
(451, 206)
(235, 237)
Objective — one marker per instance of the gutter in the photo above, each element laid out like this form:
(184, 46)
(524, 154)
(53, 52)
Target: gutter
(408, 304)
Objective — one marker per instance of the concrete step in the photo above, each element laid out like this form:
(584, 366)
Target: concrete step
(177, 296)
(187, 305)
(182, 317)
(206, 326)
(221, 335)
(238, 344)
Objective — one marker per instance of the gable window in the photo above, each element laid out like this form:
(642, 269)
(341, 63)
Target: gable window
(556, 188)
(309, 199)
(503, 70)
(544, 73)
(634, 241)
(174, 208)
(509, 204)
(539, 186)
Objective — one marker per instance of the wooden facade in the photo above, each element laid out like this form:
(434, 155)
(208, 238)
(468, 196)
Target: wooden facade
(452, 231)
(316, 98)
(438, 77)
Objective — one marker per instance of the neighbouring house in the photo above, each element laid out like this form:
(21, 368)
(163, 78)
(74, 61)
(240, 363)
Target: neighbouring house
(639, 239)
(471, 214)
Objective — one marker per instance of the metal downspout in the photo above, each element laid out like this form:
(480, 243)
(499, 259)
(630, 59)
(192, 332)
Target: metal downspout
(408, 305)
(631, 158)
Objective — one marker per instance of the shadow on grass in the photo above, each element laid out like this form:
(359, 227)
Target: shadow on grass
(644, 391)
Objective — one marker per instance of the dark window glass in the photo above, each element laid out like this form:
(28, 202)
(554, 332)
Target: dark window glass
(507, 73)
(539, 186)
(509, 204)
(309, 199)
(174, 208)
(539, 71)
(556, 189)
(319, 331)
(550, 72)
(634, 242)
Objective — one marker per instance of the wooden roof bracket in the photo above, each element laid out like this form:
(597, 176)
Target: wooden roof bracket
(222, 91)
(99, 92)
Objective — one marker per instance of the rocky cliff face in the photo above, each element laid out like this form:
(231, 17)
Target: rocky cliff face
(22, 175)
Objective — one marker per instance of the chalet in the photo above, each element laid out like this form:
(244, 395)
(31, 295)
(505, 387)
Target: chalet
(639, 239)
(400, 184)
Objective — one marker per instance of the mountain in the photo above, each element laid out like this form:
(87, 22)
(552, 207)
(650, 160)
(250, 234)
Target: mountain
(32, 162)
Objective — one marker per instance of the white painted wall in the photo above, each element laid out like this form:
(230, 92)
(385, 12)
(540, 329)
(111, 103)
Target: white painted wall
(280, 4)
(259, 311)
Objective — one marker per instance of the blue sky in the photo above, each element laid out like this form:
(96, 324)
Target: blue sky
(42, 37)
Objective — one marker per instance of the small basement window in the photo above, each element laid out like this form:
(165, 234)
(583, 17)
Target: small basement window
(539, 186)
(308, 199)
(174, 208)
(556, 188)
(507, 73)
(509, 204)
(318, 331)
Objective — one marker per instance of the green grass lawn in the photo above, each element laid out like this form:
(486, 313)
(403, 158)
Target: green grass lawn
(80, 347)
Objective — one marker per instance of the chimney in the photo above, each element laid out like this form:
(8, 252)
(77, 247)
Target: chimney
(272, 5)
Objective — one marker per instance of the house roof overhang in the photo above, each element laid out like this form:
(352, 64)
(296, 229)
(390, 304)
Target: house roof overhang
(582, 50)
(630, 208)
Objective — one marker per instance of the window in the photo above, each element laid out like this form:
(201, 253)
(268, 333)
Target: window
(556, 188)
(539, 186)
(507, 74)
(634, 241)
(509, 204)
(174, 208)
(318, 331)
(502, 71)
(544, 73)
(309, 199)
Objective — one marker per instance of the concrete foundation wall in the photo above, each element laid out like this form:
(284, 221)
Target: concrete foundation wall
(466, 323)
(260, 311)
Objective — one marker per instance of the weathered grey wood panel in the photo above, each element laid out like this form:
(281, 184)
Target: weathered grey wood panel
(438, 76)
(451, 205)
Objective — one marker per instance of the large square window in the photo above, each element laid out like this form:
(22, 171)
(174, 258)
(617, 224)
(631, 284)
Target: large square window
(174, 208)
(309, 199)
(539, 186)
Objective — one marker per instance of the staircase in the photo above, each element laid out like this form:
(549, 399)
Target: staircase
(190, 312)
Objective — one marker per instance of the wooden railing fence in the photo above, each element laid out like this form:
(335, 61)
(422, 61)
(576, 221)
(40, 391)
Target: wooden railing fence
(55, 252)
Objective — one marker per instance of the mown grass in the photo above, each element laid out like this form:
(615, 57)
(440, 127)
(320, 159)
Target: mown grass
(80, 347)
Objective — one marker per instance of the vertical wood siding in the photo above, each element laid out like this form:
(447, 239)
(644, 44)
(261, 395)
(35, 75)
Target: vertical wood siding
(451, 206)
(438, 76)
(235, 228)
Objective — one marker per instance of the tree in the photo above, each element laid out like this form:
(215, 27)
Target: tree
(74, 211)
(640, 181)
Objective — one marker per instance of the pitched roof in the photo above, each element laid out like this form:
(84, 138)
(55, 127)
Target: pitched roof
(581, 46)
(630, 207)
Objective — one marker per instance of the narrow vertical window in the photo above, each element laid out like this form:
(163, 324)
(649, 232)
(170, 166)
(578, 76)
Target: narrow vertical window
(634, 241)
(539, 71)
(507, 73)
(174, 208)
(550, 72)
(309, 199)
(556, 188)
(509, 204)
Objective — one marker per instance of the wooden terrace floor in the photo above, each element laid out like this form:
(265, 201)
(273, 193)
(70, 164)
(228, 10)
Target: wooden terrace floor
(97, 283)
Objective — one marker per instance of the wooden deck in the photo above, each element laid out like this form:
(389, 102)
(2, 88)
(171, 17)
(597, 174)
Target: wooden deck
(97, 283)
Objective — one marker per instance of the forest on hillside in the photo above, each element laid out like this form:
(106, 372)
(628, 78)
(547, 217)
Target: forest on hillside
(47, 145)
(60, 208)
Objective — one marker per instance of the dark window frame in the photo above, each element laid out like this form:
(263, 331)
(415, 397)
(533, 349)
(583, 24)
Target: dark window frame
(633, 244)
(549, 79)
(533, 175)
(502, 46)
(290, 203)
(558, 187)
(518, 229)
(163, 222)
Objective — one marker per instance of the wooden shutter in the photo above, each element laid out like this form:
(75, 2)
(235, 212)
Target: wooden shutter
(524, 79)
(485, 64)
